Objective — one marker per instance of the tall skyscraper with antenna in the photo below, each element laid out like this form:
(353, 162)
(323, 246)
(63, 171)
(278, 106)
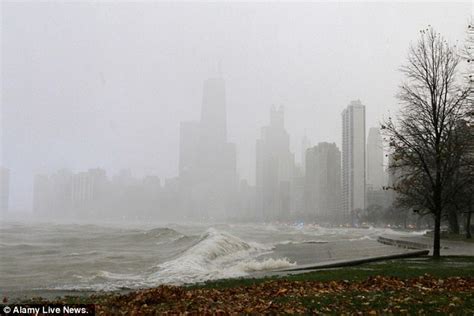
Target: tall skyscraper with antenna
(208, 178)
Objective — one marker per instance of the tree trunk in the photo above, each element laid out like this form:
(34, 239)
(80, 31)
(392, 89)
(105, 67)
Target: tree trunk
(468, 225)
(453, 221)
(437, 235)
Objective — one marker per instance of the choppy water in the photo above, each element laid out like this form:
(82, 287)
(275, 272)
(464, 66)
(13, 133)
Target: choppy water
(44, 257)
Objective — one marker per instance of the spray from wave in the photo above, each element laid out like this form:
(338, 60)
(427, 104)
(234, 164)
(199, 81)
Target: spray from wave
(216, 255)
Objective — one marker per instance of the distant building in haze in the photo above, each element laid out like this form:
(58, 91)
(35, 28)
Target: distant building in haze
(353, 159)
(274, 169)
(375, 169)
(207, 162)
(4, 190)
(305, 144)
(323, 182)
(91, 194)
(61, 185)
(87, 191)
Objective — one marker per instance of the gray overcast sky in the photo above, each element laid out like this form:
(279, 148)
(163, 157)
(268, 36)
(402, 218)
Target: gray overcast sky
(105, 84)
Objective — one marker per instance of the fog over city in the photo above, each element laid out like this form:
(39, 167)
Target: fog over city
(107, 85)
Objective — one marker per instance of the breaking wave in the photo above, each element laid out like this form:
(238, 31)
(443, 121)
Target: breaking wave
(216, 255)
(266, 265)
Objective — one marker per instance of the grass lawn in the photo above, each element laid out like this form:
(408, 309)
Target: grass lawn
(452, 266)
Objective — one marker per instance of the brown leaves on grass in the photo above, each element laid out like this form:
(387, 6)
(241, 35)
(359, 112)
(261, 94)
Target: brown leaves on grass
(375, 295)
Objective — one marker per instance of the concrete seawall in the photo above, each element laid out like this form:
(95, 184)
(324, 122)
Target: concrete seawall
(348, 263)
(402, 243)
(407, 244)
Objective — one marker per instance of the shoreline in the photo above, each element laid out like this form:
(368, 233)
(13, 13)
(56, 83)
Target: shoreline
(404, 243)
(449, 247)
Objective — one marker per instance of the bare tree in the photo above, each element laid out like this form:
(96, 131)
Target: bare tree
(425, 140)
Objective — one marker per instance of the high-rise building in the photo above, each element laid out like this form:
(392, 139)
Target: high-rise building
(81, 188)
(375, 169)
(207, 163)
(274, 168)
(323, 182)
(4, 190)
(87, 191)
(353, 159)
(305, 144)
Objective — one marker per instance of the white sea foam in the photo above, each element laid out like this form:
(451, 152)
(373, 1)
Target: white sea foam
(117, 276)
(265, 265)
(216, 255)
(306, 241)
(366, 237)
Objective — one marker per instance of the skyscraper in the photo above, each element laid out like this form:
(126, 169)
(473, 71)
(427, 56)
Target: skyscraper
(375, 170)
(323, 182)
(207, 162)
(305, 144)
(4, 190)
(353, 159)
(87, 190)
(274, 169)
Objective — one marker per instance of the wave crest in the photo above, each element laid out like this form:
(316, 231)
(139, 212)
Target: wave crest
(268, 264)
(215, 255)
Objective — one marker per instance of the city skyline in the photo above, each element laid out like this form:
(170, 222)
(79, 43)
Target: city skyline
(74, 99)
(208, 135)
(328, 186)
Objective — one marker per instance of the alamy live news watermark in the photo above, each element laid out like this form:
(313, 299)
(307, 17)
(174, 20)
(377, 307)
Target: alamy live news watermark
(47, 309)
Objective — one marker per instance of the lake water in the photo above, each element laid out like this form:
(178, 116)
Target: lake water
(41, 257)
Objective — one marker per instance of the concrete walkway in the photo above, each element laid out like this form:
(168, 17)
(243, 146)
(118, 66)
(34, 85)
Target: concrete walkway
(354, 262)
(448, 247)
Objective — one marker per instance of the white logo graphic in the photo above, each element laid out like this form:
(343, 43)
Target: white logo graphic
(7, 309)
